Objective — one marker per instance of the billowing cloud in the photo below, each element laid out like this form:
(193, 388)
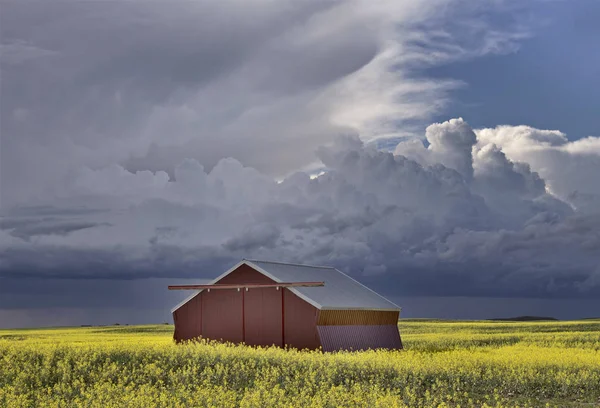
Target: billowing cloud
(146, 85)
(569, 167)
(461, 218)
(450, 144)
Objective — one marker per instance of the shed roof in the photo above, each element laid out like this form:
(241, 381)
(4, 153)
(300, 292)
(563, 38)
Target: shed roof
(339, 292)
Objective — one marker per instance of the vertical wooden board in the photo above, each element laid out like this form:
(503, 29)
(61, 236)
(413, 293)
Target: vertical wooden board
(222, 315)
(262, 317)
(197, 317)
(300, 322)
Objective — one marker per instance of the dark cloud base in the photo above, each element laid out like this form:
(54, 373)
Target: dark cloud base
(74, 302)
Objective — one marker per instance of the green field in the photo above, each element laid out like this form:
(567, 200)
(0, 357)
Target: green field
(445, 364)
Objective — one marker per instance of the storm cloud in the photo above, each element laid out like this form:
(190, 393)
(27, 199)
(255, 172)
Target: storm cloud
(479, 224)
(146, 85)
(142, 141)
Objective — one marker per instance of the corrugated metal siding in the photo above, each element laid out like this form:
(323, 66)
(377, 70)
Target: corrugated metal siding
(356, 317)
(336, 338)
(262, 317)
(300, 324)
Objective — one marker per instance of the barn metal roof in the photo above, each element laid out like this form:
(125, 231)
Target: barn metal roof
(339, 292)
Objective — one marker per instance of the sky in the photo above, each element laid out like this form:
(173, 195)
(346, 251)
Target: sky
(443, 152)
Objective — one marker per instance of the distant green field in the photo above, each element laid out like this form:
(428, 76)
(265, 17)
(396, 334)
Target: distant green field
(445, 364)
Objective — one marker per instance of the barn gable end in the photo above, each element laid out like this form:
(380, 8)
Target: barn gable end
(256, 316)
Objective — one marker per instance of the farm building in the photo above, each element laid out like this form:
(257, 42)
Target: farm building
(305, 307)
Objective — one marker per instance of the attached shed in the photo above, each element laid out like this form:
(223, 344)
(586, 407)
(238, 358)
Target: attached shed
(301, 306)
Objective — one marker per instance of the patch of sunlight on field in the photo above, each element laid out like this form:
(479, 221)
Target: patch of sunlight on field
(445, 364)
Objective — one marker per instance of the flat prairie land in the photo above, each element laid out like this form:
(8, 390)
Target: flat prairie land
(444, 364)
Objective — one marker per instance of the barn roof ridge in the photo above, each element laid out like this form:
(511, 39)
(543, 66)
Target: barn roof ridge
(289, 263)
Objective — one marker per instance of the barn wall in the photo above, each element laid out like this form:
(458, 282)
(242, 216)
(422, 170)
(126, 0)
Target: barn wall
(188, 320)
(357, 337)
(222, 315)
(218, 314)
(262, 309)
(358, 330)
(300, 322)
(356, 317)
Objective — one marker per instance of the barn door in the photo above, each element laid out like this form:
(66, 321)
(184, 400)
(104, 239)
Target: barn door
(263, 323)
(222, 315)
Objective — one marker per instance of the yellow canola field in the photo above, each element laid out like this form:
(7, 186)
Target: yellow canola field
(445, 364)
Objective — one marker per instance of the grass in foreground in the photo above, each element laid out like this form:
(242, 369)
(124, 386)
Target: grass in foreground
(445, 364)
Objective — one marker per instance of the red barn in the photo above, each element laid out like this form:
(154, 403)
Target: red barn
(305, 307)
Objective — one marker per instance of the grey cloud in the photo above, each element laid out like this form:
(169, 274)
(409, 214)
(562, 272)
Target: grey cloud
(403, 227)
(115, 71)
(124, 263)
(55, 302)
(28, 222)
(147, 85)
(255, 237)
(495, 172)
(15, 53)
(26, 230)
(49, 210)
(142, 140)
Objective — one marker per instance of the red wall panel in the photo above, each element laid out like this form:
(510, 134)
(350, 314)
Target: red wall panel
(262, 317)
(300, 322)
(222, 315)
(188, 320)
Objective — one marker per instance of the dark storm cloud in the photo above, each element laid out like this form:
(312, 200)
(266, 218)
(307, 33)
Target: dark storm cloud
(25, 229)
(31, 211)
(88, 293)
(113, 263)
(479, 224)
(255, 237)
(141, 140)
